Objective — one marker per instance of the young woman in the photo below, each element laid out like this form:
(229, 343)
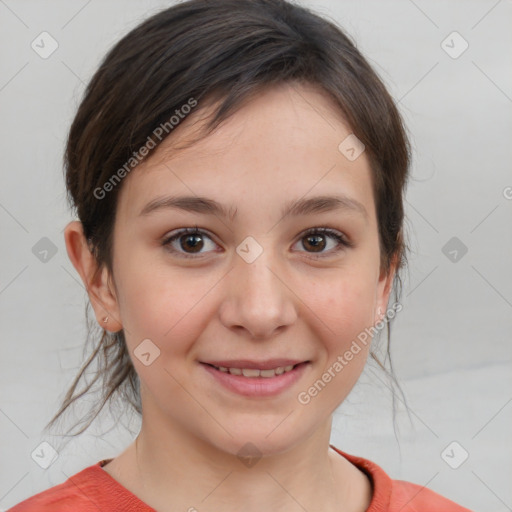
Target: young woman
(238, 172)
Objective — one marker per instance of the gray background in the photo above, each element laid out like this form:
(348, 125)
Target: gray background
(451, 343)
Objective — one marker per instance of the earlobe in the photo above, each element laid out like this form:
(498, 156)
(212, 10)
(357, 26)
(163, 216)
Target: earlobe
(95, 279)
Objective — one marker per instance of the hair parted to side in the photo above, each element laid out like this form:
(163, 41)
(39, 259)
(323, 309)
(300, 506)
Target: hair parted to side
(218, 52)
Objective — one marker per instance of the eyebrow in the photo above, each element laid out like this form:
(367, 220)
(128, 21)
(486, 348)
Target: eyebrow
(205, 206)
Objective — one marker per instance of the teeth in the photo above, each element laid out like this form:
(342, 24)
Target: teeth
(251, 372)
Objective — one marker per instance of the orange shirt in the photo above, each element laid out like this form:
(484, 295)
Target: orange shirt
(93, 490)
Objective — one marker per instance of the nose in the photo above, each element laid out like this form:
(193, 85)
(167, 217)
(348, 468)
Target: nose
(258, 299)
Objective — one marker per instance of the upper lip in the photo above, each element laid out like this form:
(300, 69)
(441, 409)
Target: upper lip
(268, 364)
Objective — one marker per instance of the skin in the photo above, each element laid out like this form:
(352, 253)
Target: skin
(282, 145)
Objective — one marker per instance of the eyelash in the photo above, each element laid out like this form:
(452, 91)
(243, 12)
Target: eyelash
(342, 240)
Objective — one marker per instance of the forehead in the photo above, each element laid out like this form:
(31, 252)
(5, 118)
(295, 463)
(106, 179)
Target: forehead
(282, 143)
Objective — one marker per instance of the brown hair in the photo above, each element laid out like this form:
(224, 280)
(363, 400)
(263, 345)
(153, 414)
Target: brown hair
(226, 50)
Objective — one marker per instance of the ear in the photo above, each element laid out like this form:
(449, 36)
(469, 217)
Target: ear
(97, 281)
(384, 287)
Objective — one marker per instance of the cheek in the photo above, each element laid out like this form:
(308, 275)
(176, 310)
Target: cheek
(342, 310)
(343, 304)
(172, 318)
(165, 307)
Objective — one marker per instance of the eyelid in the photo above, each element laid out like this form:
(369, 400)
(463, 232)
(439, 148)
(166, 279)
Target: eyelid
(335, 233)
(176, 234)
(343, 240)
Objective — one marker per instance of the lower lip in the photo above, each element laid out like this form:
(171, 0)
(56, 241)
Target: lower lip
(257, 386)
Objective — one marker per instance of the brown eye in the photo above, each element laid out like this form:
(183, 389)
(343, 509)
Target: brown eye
(193, 242)
(187, 242)
(316, 240)
(190, 242)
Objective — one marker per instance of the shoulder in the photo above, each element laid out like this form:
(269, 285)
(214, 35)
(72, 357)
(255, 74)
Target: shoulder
(410, 497)
(81, 492)
(397, 495)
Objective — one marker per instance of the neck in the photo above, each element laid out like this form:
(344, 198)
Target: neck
(176, 471)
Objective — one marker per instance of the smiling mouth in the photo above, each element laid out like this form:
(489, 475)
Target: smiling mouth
(255, 373)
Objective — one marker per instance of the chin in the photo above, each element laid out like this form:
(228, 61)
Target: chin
(256, 441)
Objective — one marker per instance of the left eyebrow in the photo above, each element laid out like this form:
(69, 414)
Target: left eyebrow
(296, 207)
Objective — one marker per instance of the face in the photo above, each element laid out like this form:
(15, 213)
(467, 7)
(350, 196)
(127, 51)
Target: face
(250, 288)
